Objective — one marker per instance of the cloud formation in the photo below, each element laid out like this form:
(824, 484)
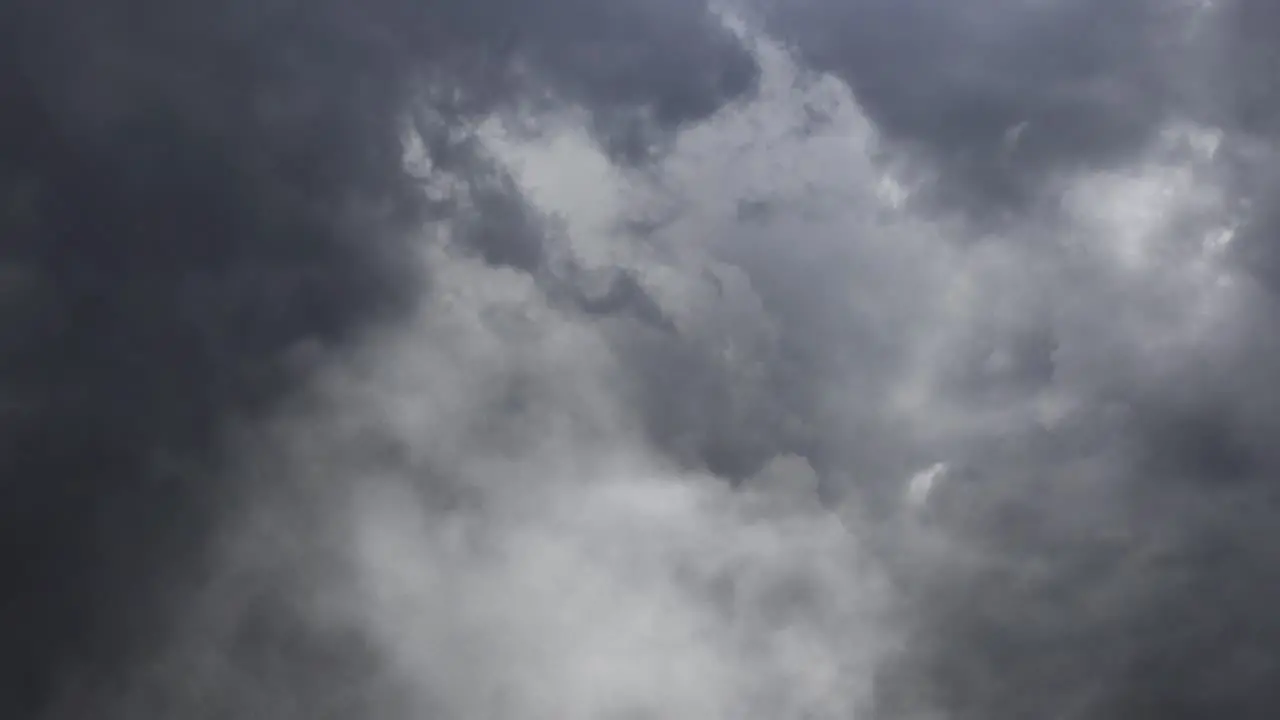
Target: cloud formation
(640, 359)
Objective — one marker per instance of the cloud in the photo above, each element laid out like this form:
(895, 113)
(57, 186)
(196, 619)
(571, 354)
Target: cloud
(1070, 370)
(201, 198)
(468, 517)
(593, 360)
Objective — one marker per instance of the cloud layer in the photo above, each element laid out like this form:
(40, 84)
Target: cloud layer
(642, 359)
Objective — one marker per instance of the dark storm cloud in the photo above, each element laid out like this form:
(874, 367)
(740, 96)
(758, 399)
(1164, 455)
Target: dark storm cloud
(1124, 571)
(191, 192)
(201, 199)
(1001, 95)
(1112, 563)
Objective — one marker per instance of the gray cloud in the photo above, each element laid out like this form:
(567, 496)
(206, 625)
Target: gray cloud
(1097, 601)
(1079, 373)
(1000, 96)
(193, 192)
(593, 360)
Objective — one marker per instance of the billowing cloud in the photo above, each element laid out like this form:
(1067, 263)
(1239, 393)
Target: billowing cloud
(200, 196)
(642, 359)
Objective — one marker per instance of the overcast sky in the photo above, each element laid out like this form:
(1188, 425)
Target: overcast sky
(644, 359)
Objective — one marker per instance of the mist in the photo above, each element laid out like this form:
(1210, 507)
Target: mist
(591, 361)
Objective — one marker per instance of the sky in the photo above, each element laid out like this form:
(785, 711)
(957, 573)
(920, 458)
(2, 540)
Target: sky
(586, 360)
